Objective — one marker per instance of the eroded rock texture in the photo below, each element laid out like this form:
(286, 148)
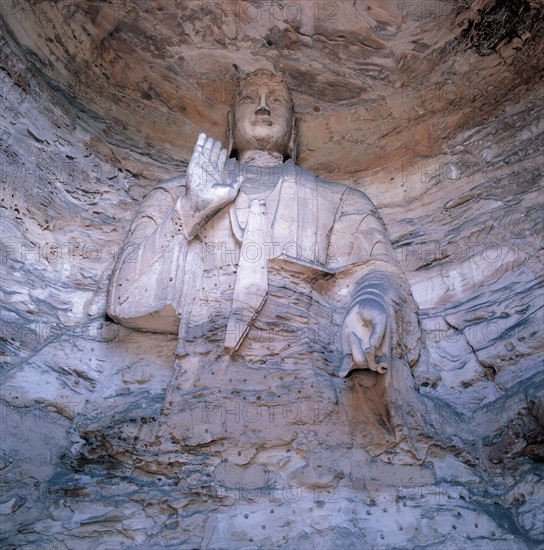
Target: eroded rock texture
(434, 109)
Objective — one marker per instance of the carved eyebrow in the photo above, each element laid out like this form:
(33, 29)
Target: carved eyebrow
(248, 90)
(246, 96)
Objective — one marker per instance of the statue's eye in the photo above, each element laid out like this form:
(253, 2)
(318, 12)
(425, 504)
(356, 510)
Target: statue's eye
(247, 98)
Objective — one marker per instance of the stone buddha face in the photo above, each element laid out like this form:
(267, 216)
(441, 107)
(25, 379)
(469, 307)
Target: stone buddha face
(263, 115)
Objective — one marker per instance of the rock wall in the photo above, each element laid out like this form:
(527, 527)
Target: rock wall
(432, 108)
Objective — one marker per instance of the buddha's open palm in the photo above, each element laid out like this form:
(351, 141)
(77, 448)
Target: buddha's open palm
(207, 188)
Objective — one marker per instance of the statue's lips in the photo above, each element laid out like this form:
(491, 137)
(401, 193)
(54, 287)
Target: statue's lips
(263, 121)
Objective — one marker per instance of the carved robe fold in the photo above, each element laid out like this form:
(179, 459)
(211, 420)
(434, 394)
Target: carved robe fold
(327, 248)
(251, 342)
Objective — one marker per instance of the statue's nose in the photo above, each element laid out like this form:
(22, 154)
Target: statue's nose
(263, 108)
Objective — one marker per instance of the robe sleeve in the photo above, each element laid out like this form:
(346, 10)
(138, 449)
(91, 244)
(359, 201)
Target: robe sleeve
(143, 290)
(368, 269)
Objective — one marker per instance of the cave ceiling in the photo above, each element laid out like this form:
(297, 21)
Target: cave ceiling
(376, 83)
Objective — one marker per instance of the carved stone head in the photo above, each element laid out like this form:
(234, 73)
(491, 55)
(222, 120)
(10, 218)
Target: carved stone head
(262, 118)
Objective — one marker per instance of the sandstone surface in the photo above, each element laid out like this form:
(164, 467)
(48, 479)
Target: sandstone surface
(434, 109)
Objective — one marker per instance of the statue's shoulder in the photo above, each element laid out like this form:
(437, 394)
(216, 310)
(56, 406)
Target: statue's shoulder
(167, 188)
(335, 189)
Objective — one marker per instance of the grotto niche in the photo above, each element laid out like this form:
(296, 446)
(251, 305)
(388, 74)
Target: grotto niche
(268, 411)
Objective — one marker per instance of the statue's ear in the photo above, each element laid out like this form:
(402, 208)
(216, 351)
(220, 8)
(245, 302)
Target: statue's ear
(230, 133)
(293, 143)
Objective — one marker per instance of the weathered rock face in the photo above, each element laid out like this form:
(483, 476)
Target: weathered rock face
(434, 109)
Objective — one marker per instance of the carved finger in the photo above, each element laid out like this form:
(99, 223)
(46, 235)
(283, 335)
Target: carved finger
(216, 149)
(370, 359)
(197, 152)
(207, 149)
(382, 366)
(222, 159)
(378, 330)
(200, 141)
(383, 362)
(350, 323)
(347, 361)
(356, 350)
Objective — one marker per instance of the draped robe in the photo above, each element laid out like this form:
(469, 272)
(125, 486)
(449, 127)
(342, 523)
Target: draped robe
(329, 248)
